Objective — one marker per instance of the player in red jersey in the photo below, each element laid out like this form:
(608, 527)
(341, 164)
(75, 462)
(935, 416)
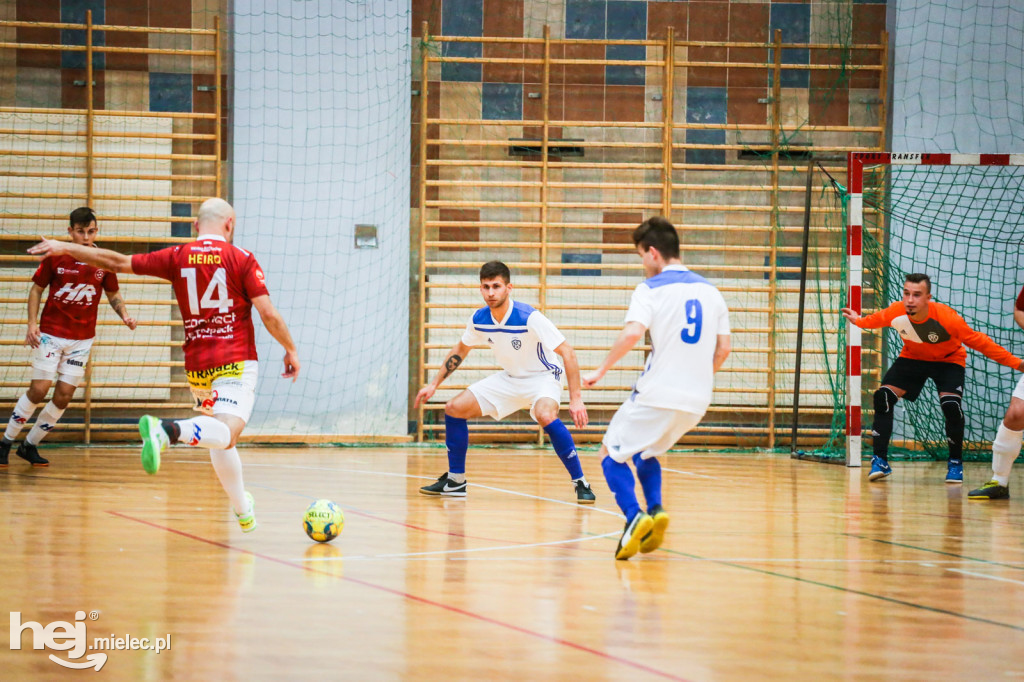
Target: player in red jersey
(62, 339)
(1010, 435)
(216, 285)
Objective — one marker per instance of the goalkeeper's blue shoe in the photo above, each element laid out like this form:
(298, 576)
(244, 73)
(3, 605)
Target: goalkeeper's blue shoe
(955, 471)
(879, 469)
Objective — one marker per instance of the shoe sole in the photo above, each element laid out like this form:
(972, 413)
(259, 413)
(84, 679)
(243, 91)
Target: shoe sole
(875, 477)
(579, 501)
(434, 493)
(653, 540)
(150, 445)
(987, 497)
(954, 481)
(643, 527)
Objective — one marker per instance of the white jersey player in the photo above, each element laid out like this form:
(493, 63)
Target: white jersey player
(534, 357)
(689, 325)
(1007, 443)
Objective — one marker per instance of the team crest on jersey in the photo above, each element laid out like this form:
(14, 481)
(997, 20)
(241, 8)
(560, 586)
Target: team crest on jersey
(259, 274)
(517, 344)
(933, 337)
(99, 275)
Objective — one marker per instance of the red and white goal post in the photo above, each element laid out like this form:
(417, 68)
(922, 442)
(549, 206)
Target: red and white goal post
(856, 161)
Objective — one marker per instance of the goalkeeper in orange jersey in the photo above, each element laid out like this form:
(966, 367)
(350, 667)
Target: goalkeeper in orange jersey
(934, 336)
(1010, 435)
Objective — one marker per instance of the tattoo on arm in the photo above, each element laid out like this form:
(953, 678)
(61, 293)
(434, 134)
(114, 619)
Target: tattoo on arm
(451, 364)
(117, 303)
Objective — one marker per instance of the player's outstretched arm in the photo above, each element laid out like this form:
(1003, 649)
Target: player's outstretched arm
(992, 350)
(35, 294)
(722, 349)
(117, 303)
(875, 320)
(981, 342)
(98, 258)
(454, 358)
(275, 324)
(572, 375)
(628, 337)
(850, 314)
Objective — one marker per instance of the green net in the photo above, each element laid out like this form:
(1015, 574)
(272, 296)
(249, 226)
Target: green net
(963, 226)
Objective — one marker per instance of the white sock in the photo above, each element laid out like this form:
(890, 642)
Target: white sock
(48, 418)
(1005, 449)
(204, 432)
(228, 466)
(582, 478)
(23, 411)
(456, 478)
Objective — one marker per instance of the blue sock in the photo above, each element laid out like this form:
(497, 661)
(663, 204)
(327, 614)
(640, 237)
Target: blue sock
(649, 473)
(620, 480)
(561, 440)
(456, 437)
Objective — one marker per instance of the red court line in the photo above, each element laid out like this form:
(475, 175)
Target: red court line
(411, 597)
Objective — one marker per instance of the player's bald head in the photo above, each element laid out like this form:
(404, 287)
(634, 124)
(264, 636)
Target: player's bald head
(215, 212)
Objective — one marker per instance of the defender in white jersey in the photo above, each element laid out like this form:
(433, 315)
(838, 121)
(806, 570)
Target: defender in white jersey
(689, 325)
(1007, 443)
(535, 357)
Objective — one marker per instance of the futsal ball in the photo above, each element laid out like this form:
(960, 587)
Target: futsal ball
(323, 521)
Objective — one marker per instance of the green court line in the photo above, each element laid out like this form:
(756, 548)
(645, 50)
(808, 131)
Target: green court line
(839, 588)
(934, 551)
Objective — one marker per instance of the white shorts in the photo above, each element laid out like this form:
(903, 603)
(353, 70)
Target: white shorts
(651, 431)
(499, 395)
(228, 389)
(64, 358)
(1018, 392)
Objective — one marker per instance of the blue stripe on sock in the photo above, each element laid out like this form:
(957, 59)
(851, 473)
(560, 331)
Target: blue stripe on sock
(620, 480)
(456, 437)
(649, 473)
(565, 448)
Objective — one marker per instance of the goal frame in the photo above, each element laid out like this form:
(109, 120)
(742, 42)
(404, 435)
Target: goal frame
(855, 262)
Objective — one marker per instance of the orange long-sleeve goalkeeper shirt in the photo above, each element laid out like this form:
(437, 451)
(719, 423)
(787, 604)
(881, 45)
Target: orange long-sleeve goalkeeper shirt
(940, 338)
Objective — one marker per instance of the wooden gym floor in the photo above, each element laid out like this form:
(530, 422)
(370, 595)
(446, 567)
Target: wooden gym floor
(772, 569)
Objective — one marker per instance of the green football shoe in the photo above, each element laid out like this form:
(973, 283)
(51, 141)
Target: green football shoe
(247, 521)
(154, 441)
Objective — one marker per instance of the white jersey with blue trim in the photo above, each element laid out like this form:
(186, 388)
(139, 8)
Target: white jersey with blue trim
(524, 342)
(685, 315)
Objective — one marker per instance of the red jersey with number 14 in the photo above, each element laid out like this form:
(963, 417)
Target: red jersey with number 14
(214, 283)
(74, 301)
